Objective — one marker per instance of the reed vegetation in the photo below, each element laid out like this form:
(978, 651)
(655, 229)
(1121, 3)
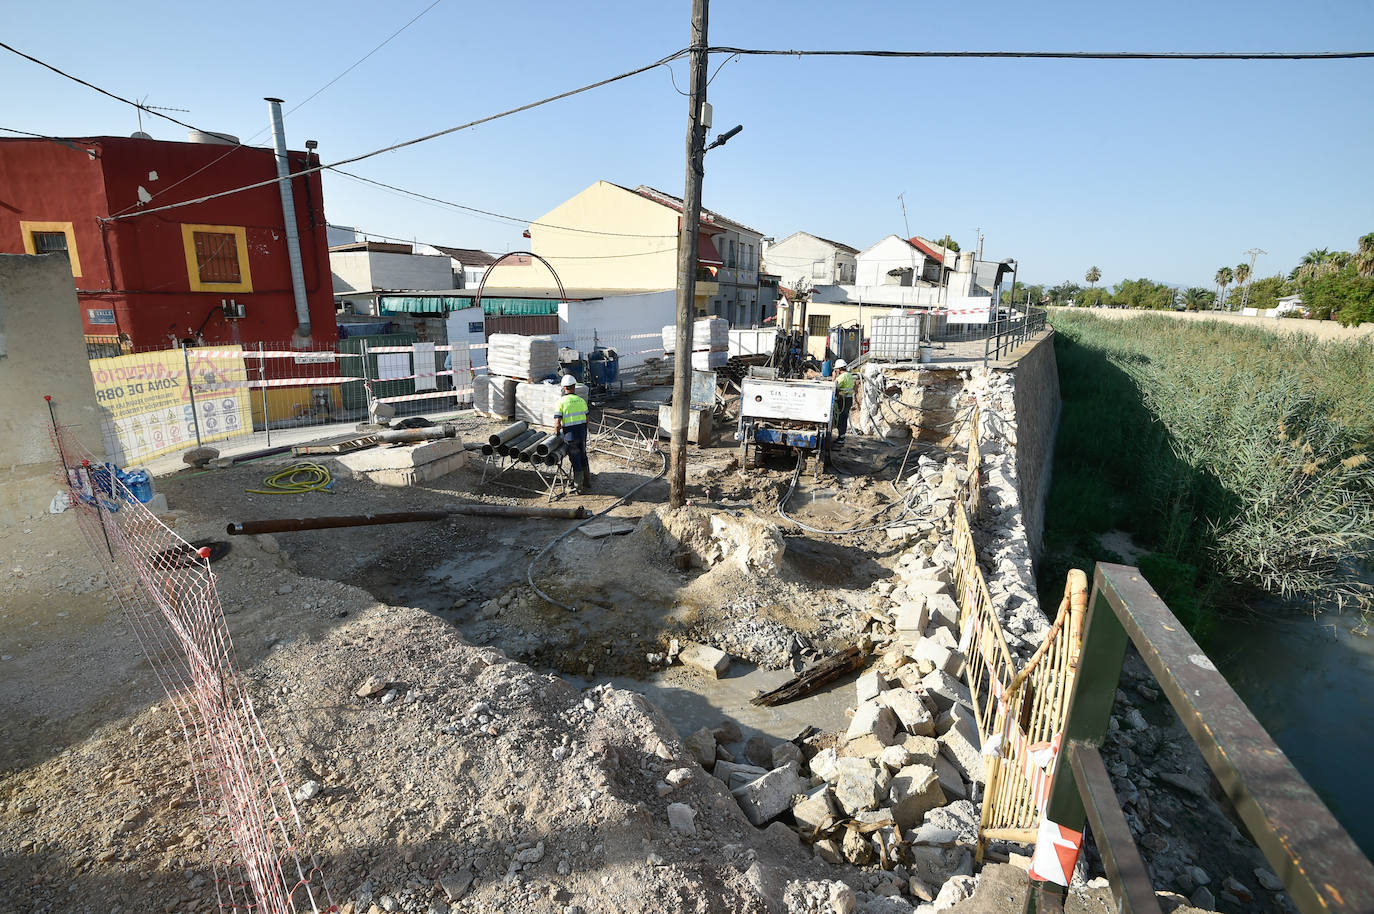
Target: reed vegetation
(1238, 458)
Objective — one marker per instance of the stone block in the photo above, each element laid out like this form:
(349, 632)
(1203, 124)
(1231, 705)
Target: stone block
(960, 744)
(681, 818)
(860, 785)
(814, 812)
(894, 758)
(829, 850)
(956, 715)
(922, 750)
(945, 690)
(826, 765)
(943, 658)
(911, 617)
(764, 799)
(758, 752)
(711, 661)
(951, 781)
(787, 754)
(736, 775)
(944, 637)
(870, 685)
(701, 746)
(934, 865)
(914, 792)
(942, 606)
(926, 587)
(873, 719)
(910, 710)
(409, 465)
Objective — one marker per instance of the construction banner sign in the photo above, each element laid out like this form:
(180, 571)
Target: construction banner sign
(150, 409)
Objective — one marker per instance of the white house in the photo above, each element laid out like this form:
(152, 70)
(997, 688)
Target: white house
(363, 268)
(468, 263)
(804, 260)
(897, 261)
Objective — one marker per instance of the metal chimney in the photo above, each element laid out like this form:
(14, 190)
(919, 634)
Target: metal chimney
(288, 209)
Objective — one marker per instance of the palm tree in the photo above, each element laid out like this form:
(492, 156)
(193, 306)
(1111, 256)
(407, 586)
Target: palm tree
(1194, 298)
(1364, 255)
(1223, 279)
(1312, 265)
(1242, 275)
(1092, 276)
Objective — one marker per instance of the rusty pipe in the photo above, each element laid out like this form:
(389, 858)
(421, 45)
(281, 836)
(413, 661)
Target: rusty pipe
(408, 435)
(508, 433)
(297, 524)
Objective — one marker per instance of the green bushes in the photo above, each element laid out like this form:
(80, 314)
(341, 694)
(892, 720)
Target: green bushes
(1236, 456)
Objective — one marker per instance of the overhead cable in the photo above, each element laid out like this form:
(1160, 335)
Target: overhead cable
(405, 143)
(1061, 55)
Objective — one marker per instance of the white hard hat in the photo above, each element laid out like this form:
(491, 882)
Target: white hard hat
(840, 363)
(568, 381)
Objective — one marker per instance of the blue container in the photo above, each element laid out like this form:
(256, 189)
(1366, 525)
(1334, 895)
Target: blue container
(139, 484)
(604, 366)
(103, 476)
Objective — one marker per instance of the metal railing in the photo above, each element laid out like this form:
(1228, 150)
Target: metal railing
(1011, 329)
(1319, 863)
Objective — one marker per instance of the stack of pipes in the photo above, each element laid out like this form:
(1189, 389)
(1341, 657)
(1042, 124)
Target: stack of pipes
(527, 445)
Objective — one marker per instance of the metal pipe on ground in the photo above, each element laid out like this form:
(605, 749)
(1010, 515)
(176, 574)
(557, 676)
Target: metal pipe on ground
(509, 432)
(555, 456)
(530, 451)
(488, 450)
(296, 524)
(543, 448)
(515, 444)
(409, 435)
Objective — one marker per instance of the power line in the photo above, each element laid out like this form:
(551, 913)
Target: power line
(1063, 55)
(472, 209)
(106, 92)
(555, 257)
(355, 63)
(402, 145)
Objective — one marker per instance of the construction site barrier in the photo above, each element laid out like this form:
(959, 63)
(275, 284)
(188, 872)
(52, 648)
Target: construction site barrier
(254, 837)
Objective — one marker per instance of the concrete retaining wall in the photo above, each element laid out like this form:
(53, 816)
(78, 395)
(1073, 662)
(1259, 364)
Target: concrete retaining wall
(1037, 424)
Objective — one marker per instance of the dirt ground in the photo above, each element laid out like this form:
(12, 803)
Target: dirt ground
(458, 774)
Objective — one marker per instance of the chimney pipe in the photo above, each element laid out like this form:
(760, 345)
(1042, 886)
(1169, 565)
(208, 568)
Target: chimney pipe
(288, 208)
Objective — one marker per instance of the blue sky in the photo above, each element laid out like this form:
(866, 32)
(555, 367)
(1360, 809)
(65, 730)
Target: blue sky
(1160, 169)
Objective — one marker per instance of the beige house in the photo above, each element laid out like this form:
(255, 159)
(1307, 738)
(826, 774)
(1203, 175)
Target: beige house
(617, 239)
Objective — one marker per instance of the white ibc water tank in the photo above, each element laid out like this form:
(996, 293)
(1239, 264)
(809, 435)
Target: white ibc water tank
(213, 138)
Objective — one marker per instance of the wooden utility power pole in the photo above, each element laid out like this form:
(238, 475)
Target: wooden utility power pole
(687, 260)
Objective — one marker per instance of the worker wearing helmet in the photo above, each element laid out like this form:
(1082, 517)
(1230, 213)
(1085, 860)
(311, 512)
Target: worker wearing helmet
(570, 424)
(844, 399)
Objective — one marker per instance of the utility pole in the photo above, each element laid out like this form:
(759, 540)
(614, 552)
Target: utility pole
(687, 260)
(1245, 289)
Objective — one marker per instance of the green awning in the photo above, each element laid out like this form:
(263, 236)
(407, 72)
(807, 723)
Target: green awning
(421, 304)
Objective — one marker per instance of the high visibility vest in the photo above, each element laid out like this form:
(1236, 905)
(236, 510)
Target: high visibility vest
(845, 385)
(572, 409)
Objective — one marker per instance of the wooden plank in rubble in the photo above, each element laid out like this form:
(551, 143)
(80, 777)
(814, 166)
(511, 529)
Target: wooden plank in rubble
(808, 681)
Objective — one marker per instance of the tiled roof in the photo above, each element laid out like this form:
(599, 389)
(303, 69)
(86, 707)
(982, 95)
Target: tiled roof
(468, 257)
(675, 203)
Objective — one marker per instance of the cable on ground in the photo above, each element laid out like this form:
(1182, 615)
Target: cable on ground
(297, 480)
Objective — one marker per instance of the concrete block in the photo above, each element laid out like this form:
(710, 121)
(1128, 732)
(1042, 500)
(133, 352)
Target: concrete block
(943, 658)
(946, 690)
(921, 750)
(951, 781)
(764, 799)
(826, 765)
(815, 811)
(873, 719)
(870, 685)
(915, 791)
(828, 849)
(736, 775)
(406, 466)
(894, 758)
(701, 746)
(787, 754)
(680, 818)
(957, 715)
(910, 710)
(944, 637)
(711, 661)
(861, 785)
(700, 427)
(960, 744)
(926, 587)
(942, 606)
(911, 618)
(758, 752)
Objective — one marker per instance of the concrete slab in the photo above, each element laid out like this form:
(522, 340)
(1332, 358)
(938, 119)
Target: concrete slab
(406, 466)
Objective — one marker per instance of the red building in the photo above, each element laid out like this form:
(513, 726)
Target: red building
(157, 279)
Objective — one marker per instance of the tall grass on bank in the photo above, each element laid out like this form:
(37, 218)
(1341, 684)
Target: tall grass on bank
(1238, 457)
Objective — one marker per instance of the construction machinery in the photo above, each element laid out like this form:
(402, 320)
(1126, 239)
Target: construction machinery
(598, 368)
(787, 416)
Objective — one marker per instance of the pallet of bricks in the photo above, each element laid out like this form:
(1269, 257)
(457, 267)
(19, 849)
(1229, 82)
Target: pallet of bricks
(511, 360)
(710, 343)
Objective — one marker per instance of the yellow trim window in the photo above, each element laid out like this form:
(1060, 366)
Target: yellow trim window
(51, 238)
(217, 258)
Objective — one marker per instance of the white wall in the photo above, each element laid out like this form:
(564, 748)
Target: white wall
(615, 319)
(889, 254)
(804, 258)
(355, 271)
(350, 271)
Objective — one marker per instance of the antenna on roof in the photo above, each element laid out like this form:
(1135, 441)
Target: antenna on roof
(144, 106)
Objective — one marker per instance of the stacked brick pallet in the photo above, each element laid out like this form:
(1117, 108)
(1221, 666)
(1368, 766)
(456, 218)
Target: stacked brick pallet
(710, 343)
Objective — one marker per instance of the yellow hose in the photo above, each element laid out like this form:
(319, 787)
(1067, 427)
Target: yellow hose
(297, 480)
